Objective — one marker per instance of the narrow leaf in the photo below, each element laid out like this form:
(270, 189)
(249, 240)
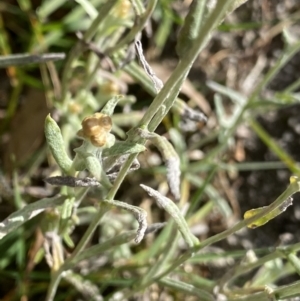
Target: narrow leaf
(103, 247)
(191, 27)
(88, 7)
(235, 96)
(186, 288)
(19, 217)
(56, 145)
(174, 211)
(122, 148)
(274, 146)
(87, 288)
(109, 108)
(263, 220)
(123, 238)
(139, 213)
(158, 84)
(93, 165)
(26, 59)
(275, 212)
(170, 157)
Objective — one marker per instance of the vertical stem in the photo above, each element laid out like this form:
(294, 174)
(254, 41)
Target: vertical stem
(77, 49)
(173, 85)
(89, 232)
(123, 172)
(55, 278)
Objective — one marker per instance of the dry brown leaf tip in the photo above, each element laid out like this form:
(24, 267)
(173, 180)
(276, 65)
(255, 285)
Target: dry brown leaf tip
(95, 128)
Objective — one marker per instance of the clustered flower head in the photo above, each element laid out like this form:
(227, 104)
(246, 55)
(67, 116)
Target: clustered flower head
(96, 128)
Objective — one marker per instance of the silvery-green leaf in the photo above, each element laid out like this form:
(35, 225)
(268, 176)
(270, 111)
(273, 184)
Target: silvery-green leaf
(139, 214)
(93, 165)
(19, 217)
(236, 97)
(87, 288)
(170, 157)
(109, 108)
(157, 82)
(122, 148)
(125, 237)
(174, 211)
(191, 26)
(116, 241)
(56, 145)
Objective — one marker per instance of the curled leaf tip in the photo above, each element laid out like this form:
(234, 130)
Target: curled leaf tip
(49, 118)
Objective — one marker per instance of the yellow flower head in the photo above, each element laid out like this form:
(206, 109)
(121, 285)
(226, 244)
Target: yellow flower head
(96, 129)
